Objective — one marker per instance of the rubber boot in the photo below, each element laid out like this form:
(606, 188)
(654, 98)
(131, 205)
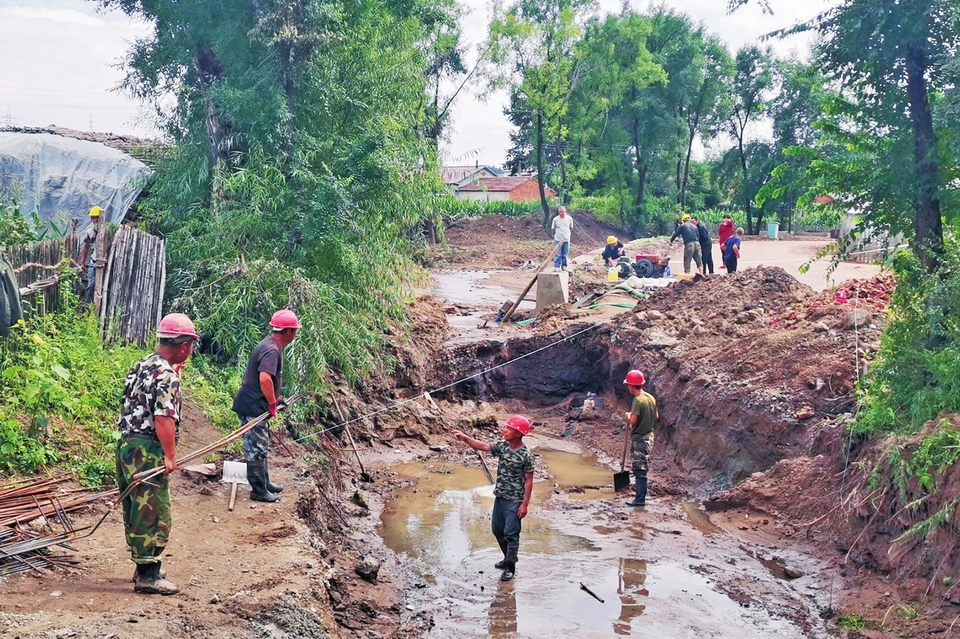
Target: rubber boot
(149, 581)
(500, 565)
(510, 563)
(271, 487)
(640, 498)
(257, 476)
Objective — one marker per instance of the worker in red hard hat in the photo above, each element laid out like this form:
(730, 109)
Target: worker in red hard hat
(260, 393)
(149, 428)
(641, 418)
(513, 489)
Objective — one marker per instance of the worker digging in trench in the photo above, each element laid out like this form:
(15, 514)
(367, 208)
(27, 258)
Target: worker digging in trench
(641, 418)
(259, 393)
(513, 489)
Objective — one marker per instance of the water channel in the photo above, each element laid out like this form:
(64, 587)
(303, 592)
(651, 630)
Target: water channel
(441, 525)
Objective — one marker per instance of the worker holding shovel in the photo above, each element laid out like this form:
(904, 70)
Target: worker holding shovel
(149, 427)
(640, 420)
(513, 489)
(259, 393)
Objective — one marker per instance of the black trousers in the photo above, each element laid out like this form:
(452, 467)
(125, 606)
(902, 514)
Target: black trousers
(707, 250)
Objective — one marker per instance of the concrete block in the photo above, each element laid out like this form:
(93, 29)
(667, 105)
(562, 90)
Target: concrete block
(552, 288)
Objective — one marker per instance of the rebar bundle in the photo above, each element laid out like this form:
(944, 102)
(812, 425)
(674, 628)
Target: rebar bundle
(41, 500)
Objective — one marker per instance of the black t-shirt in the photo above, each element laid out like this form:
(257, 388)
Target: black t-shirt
(267, 357)
(612, 252)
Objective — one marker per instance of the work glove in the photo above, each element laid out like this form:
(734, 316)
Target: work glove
(272, 409)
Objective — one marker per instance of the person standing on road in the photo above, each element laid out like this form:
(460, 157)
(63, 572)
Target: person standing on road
(513, 489)
(641, 419)
(260, 393)
(561, 226)
(731, 250)
(691, 243)
(613, 251)
(149, 428)
(89, 253)
(725, 230)
(706, 244)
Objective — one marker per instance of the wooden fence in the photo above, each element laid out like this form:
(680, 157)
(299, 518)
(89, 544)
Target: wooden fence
(130, 280)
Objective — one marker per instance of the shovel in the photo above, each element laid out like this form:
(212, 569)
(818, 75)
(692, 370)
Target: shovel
(234, 473)
(621, 480)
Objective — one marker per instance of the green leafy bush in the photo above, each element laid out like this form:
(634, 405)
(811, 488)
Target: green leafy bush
(61, 391)
(915, 376)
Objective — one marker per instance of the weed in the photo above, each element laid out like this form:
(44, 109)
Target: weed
(851, 622)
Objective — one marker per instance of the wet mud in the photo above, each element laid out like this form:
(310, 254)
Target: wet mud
(664, 571)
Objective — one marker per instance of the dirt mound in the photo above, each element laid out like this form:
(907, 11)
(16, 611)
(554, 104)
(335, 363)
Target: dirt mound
(497, 241)
(769, 288)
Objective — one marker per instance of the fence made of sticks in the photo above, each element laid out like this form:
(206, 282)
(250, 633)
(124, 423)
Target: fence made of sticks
(130, 278)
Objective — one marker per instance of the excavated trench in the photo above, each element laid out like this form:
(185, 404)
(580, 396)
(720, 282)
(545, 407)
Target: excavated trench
(714, 431)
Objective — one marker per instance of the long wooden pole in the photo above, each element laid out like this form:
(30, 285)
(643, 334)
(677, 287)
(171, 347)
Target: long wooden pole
(530, 285)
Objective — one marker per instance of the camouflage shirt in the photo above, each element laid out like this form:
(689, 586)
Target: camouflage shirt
(512, 470)
(152, 388)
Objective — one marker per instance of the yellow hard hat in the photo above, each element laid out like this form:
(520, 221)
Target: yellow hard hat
(611, 239)
(685, 218)
(95, 211)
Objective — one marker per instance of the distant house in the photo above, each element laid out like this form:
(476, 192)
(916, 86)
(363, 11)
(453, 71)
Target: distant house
(454, 175)
(520, 188)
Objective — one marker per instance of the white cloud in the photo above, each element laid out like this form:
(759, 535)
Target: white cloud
(70, 16)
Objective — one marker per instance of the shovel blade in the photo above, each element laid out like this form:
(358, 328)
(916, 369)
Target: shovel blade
(621, 480)
(234, 472)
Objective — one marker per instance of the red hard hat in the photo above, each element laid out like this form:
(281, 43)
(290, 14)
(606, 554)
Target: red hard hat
(520, 423)
(176, 325)
(635, 378)
(283, 319)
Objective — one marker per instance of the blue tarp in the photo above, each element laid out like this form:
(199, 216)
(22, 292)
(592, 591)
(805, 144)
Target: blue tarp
(64, 177)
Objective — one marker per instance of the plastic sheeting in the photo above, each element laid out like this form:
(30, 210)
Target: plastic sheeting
(66, 177)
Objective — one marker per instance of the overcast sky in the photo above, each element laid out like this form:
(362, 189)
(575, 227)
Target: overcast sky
(59, 62)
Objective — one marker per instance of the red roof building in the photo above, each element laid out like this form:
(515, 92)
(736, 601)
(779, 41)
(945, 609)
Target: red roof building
(520, 188)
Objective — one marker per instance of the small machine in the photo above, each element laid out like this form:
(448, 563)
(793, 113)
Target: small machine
(645, 265)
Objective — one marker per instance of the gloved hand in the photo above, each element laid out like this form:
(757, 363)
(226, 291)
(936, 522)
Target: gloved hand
(272, 409)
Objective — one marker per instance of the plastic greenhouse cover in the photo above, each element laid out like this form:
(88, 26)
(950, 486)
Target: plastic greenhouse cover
(66, 177)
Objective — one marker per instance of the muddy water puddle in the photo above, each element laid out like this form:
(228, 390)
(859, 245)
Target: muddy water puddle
(441, 524)
(470, 289)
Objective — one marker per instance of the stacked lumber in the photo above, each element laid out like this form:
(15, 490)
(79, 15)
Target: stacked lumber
(133, 287)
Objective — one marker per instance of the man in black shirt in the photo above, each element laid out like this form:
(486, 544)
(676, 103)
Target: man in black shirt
(706, 244)
(259, 393)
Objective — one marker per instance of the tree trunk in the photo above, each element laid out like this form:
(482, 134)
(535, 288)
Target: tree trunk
(209, 72)
(692, 129)
(290, 93)
(543, 194)
(746, 185)
(928, 224)
(564, 190)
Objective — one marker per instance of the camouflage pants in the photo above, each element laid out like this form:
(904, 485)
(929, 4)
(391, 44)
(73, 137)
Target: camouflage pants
(256, 441)
(146, 510)
(640, 448)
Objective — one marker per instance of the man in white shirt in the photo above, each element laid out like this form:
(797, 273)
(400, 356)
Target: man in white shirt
(561, 226)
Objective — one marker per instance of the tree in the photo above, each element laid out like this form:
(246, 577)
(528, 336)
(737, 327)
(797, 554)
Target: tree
(532, 42)
(884, 56)
(297, 167)
(613, 63)
(752, 80)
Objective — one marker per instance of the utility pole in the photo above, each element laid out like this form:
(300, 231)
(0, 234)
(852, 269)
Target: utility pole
(8, 120)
